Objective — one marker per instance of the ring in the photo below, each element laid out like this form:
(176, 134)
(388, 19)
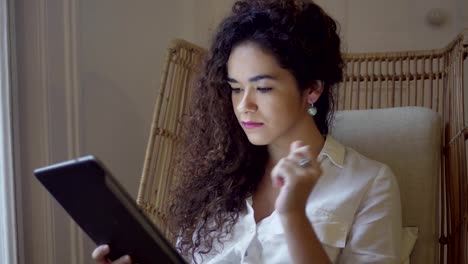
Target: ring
(304, 162)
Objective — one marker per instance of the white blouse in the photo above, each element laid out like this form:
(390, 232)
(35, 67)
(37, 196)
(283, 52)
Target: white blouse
(354, 209)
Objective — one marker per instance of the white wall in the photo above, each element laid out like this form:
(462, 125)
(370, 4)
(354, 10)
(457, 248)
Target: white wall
(382, 25)
(122, 47)
(374, 25)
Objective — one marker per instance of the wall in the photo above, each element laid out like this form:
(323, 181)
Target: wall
(382, 25)
(122, 48)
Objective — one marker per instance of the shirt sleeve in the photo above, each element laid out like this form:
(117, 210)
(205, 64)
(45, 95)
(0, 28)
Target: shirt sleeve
(375, 235)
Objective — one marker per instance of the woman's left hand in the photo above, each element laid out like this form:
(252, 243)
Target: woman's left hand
(296, 180)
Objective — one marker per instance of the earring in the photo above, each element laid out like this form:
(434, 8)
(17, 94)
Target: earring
(312, 109)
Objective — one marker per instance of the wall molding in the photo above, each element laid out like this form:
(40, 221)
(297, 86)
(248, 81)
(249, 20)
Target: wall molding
(8, 226)
(46, 201)
(70, 11)
(50, 124)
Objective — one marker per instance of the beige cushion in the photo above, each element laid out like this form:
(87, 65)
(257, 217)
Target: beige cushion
(408, 140)
(409, 237)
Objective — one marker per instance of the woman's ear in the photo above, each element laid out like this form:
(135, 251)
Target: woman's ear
(314, 92)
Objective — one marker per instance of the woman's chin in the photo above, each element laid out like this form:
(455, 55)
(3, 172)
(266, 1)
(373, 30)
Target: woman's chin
(258, 141)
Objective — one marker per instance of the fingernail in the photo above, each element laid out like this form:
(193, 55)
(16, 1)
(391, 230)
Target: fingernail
(105, 247)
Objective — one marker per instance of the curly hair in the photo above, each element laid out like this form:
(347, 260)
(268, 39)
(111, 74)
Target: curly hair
(217, 167)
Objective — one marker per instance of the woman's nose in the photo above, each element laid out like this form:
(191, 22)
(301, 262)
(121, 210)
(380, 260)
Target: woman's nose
(247, 103)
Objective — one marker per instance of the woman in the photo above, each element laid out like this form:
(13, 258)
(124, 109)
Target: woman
(261, 179)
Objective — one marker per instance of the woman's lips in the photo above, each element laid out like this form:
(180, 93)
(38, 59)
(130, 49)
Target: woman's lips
(251, 124)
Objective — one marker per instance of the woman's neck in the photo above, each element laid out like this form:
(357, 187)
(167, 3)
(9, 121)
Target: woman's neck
(305, 131)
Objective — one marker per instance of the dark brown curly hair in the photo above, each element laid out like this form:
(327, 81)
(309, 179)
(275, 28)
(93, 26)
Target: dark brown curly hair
(217, 167)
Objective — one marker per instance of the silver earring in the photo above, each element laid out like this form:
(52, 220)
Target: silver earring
(312, 110)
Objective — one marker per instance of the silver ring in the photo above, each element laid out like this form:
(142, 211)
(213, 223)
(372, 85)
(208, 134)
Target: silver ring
(304, 162)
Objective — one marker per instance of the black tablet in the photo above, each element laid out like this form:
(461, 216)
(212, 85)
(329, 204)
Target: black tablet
(105, 211)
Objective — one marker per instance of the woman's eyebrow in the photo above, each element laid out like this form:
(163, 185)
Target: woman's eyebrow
(253, 79)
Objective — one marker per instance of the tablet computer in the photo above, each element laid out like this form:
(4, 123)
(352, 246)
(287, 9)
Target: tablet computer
(105, 211)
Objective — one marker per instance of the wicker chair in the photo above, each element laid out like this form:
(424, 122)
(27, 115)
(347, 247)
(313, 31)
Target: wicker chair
(431, 79)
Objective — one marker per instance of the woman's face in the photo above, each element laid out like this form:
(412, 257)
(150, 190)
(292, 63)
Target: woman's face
(265, 96)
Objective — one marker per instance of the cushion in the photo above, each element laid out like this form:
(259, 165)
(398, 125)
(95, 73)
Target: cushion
(409, 141)
(409, 236)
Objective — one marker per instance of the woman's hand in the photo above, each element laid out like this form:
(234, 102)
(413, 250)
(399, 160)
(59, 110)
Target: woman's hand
(296, 175)
(100, 253)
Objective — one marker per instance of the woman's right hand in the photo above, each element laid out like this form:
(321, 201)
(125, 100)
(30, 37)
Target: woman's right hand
(100, 253)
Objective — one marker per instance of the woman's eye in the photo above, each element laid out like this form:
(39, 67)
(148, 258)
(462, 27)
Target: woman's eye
(264, 89)
(235, 90)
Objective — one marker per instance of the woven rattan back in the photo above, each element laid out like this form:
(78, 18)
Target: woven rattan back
(182, 61)
(432, 79)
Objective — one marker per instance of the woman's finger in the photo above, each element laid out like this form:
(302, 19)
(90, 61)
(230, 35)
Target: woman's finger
(288, 170)
(299, 155)
(281, 173)
(300, 151)
(295, 145)
(123, 260)
(99, 254)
